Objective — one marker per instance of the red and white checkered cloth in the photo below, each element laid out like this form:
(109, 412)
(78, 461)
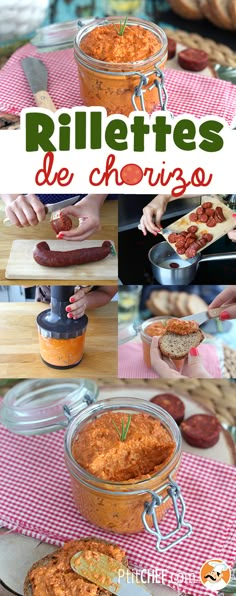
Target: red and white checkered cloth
(36, 501)
(188, 92)
(132, 366)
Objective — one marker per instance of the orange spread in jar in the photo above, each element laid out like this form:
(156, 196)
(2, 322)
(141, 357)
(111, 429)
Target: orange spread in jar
(157, 328)
(104, 43)
(54, 576)
(113, 88)
(181, 327)
(61, 352)
(125, 465)
(146, 449)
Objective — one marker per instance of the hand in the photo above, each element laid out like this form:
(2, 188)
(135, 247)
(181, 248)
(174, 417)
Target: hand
(165, 368)
(227, 300)
(152, 214)
(232, 235)
(89, 209)
(25, 210)
(78, 305)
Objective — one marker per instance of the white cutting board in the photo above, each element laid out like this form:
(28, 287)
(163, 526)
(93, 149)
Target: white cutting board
(21, 264)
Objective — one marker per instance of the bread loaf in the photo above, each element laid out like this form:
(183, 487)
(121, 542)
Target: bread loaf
(188, 9)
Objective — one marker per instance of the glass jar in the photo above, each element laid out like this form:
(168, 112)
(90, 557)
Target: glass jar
(121, 87)
(147, 339)
(125, 507)
(39, 406)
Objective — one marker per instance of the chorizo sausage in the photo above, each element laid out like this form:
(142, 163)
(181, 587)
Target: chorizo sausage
(211, 223)
(46, 257)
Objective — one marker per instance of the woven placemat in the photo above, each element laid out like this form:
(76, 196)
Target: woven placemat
(218, 53)
(218, 395)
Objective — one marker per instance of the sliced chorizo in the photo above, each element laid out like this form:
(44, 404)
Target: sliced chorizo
(172, 404)
(203, 218)
(190, 253)
(171, 48)
(193, 216)
(193, 59)
(192, 229)
(207, 205)
(211, 223)
(201, 430)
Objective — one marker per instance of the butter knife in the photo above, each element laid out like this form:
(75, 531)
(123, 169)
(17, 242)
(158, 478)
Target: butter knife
(37, 76)
(107, 573)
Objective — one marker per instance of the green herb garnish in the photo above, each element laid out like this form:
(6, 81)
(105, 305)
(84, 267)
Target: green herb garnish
(124, 429)
(121, 30)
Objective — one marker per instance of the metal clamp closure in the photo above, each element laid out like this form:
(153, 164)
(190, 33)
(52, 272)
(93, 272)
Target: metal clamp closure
(174, 492)
(159, 83)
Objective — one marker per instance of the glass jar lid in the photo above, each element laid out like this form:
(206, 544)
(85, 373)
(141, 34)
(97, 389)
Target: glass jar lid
(58, 36)
(37, 406)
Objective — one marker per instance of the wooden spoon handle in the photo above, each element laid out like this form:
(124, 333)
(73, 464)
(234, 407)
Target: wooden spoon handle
(43, 100)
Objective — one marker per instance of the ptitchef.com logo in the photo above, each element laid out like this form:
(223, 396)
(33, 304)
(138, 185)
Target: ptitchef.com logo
(215, 575)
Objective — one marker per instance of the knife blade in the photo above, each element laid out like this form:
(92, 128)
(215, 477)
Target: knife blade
(203, 317)
(107, 573)
(200, 317)
(51, 208)
(37, 76)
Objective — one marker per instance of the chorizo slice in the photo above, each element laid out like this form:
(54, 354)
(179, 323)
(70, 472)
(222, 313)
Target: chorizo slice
(171, 48)
(193, 216)
(172, 404)
(193, 59)
(207, 205)
(201, 430)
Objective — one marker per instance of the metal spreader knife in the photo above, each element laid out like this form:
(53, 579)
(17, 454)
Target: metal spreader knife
(107, 573)
(37, 76)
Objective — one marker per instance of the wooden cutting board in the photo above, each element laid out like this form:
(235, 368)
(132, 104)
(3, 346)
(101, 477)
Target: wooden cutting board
(221, 229)
(21, 264)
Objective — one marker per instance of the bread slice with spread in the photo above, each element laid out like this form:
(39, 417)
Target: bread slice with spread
(53, 574)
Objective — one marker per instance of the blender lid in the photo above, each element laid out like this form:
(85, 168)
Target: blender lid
(38, 406)
(57, 327)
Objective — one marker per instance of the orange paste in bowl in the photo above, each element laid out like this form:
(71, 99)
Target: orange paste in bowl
(105, 83)
(53, 575)
(141, 457)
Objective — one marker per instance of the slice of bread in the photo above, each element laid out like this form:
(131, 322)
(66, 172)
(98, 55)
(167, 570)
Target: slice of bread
(195, 304)
(172, 302)
(232, 12)
(181, 304)
(205, 7)
(188, 9)
(220, 8)
(176, 346)
(72, 548)
(159, 302)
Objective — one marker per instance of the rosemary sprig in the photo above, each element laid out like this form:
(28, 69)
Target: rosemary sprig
(124, 429)
(121, 30)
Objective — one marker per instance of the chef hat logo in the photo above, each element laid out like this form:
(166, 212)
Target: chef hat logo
(215, 574)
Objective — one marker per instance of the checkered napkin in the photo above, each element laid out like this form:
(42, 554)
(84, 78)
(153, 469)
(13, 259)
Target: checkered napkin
(132, 366)
(187, 92)
(36, 501)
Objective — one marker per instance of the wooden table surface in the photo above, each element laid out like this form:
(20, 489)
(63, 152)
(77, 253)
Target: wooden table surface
(109, 227)
(19, 347)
